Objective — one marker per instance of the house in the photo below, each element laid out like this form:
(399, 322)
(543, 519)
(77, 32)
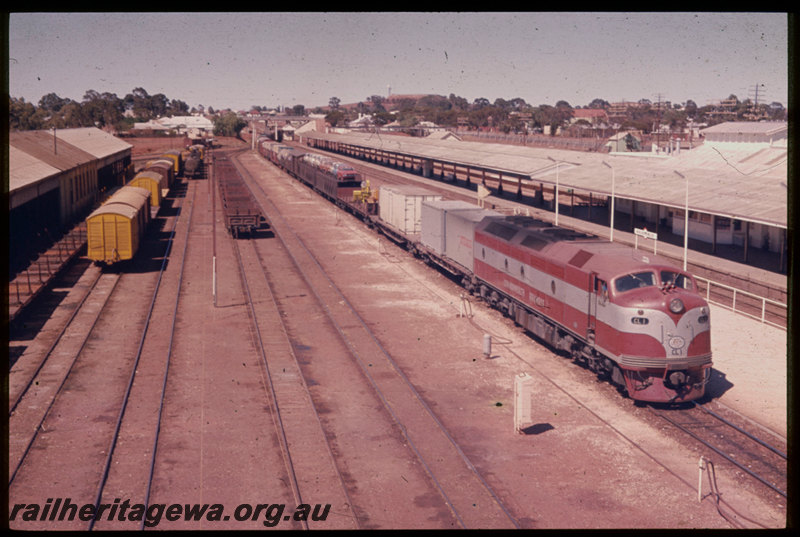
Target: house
(595, 116)
(624, 141)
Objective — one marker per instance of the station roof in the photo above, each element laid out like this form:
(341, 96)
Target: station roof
(745, 181)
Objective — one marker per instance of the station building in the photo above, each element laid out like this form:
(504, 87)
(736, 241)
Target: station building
(734, 184)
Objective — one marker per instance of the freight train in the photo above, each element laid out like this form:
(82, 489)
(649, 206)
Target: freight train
(632, 318)
(117, 228)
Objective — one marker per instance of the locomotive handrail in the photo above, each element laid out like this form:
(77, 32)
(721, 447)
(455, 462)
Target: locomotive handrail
(732, 307)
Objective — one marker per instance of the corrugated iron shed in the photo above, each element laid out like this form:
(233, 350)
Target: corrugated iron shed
(97, 143)
(35, 154)
(28, 177)
(737, 180)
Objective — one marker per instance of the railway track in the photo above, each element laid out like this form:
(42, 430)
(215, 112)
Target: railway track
(64, 442)
(42, 384)
(757, 460)
(308, 457)
(137, 432)
(467, 495)
(735, 445)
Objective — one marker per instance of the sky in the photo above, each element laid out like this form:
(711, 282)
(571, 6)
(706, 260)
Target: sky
(238, 60)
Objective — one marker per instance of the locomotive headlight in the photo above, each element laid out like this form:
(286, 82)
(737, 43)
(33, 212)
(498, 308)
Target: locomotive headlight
(676, 305)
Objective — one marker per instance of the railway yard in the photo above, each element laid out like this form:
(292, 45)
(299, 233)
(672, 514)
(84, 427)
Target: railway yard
(312, 362)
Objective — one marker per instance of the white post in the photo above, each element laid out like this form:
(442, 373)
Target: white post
(557, 183)
(685, 221)
(523, 387)
(487, 345)
(613, 187)
(702, 466)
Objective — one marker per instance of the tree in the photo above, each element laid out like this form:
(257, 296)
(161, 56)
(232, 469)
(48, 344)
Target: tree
(178, 108)
(334, 117)
(377, 103)
(101, 110)
(334, 103)
(459, 103)
(52, 102)
(599, 103)
(228, 124)
(22, 115)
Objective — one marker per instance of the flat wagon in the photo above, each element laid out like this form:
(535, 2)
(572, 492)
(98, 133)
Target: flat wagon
(243, 215)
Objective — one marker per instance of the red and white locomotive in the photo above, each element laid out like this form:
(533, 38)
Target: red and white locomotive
(631, 315)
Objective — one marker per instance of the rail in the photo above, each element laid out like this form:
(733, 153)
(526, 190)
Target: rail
(751, 302)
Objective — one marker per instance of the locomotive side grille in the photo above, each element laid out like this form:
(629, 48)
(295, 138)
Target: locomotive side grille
(499, 230)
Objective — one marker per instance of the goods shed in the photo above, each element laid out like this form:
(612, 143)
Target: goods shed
(54, 181)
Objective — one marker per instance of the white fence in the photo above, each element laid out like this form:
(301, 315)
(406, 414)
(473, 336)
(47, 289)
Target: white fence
(747, 303)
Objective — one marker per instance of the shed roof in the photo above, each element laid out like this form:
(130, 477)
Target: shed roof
(49, 148)
(94, 141)
(25, 169)
(748, 127)
(39, 155)
(742, 181)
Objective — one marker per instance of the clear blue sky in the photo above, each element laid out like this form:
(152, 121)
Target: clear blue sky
(238, 60)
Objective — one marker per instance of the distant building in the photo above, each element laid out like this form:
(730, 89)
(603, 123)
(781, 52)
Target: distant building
(624, 141)
(592, 115)
(768, 132)
(179, 124)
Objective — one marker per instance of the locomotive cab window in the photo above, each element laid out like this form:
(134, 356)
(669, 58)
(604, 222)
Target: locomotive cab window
(676, 279)
(600, 287)
(634, 281)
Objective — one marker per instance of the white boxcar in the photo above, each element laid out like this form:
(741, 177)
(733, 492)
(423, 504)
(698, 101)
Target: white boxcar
(433, 221)
(460, 233)
(401, 206)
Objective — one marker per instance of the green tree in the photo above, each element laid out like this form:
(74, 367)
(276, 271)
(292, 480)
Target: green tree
(334, 117)
(22, 115)
(228, 124)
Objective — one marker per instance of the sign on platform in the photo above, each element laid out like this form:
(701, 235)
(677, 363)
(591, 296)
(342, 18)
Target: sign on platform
(640, 232)
(646, 234)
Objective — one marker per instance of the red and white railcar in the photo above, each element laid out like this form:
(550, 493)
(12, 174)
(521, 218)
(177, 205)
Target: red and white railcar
(629, 314)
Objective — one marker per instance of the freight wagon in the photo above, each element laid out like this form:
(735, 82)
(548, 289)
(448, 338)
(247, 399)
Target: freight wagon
(116, 229)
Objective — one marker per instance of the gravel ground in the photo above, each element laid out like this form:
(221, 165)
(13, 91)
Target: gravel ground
(750, 364)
